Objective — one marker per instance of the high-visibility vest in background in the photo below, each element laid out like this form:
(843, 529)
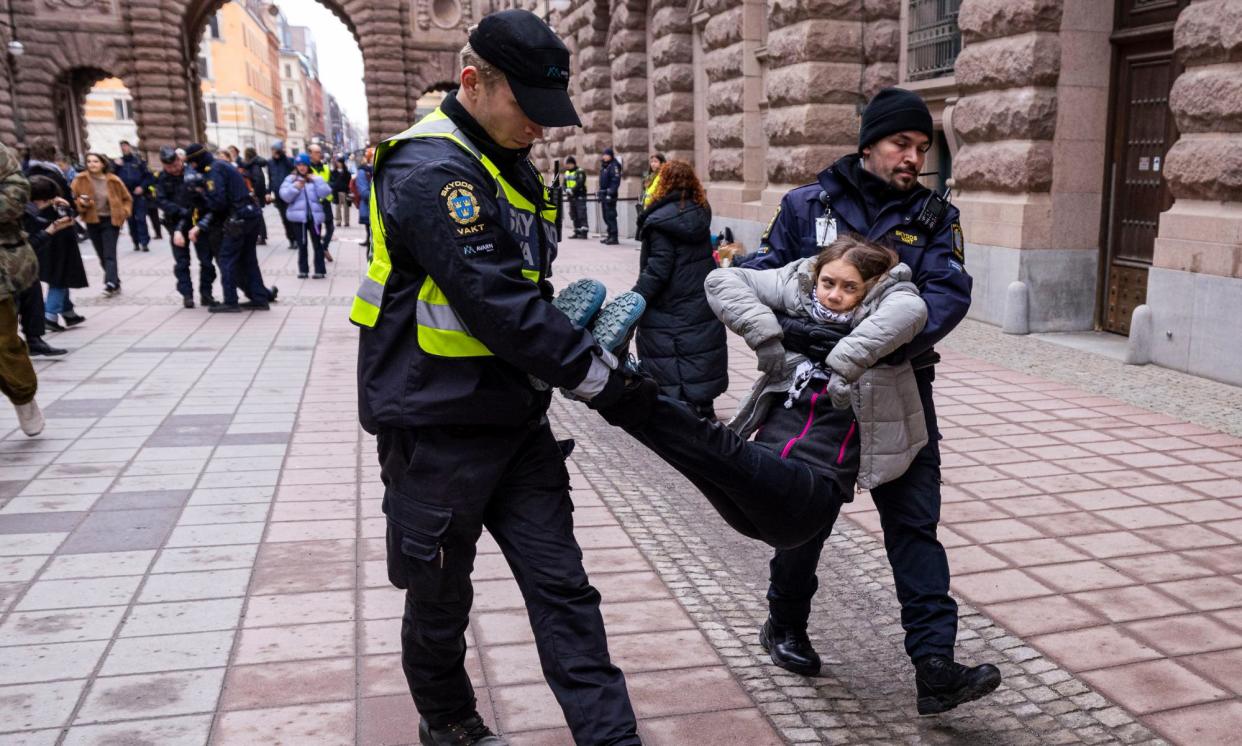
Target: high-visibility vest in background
(440, 330)
(650, 192)
(571, 179)
(325, 173)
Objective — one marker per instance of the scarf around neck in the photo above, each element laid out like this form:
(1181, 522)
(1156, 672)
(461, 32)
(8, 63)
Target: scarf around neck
(826, 315)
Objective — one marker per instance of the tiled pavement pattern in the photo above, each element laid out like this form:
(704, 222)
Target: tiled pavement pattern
(191, 551)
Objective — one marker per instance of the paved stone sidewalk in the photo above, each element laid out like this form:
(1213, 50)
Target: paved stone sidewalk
(193, 553)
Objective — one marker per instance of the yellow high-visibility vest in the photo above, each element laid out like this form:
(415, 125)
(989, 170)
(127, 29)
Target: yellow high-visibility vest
(325, 173)
(650, 193)
(440, 330)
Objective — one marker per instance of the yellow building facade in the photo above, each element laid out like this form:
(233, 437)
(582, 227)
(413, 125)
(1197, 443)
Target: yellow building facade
(238, 66)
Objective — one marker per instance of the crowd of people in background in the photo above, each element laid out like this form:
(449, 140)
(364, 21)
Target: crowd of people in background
(209, 201)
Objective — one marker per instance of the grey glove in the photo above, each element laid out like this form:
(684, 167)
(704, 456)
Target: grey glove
(771, 356)
(840, 391)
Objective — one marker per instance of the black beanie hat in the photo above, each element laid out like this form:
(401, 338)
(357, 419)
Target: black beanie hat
(894, 110)
(198, 154)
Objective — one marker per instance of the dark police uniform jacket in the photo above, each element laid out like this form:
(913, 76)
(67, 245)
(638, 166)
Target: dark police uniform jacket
(176, 202)
(478, 266)
(937, 257)
(225, 197)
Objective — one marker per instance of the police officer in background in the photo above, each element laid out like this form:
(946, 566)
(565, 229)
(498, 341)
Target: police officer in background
(576, 189)
(455, 321)
(609, 188)
(176, 201)
(875, 194)
(227, 213)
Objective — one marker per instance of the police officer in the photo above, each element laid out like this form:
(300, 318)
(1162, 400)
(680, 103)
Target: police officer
(228, 214)
(320, 168)
(609, 187)
(576, 184)
(176, 201)
(875, 193)
(455, 321)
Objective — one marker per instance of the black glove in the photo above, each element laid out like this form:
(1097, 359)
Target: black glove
(546, 290)
(627, 400)
(807, 337)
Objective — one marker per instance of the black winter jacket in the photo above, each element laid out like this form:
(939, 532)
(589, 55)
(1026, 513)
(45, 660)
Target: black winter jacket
(680, 341)
(253, 169)
(60, 261)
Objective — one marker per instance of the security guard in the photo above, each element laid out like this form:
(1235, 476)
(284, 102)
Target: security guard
(320, 168)
(576, 186)
(455, 321)
(875, 194)
(176, 202)
(228, 213)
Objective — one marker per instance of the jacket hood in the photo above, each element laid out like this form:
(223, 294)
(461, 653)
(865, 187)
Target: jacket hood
(689, 223)
(9, 163)
(898, 274)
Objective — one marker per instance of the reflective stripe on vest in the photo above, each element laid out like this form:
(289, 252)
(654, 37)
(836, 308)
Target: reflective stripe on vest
(440, 330)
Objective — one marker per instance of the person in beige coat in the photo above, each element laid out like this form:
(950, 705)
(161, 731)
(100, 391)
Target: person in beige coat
(104, 205)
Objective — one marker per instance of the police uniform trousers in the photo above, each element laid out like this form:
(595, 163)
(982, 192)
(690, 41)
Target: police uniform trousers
(239, 263)
(609, 207)
(329, 225)
(205, 249)
(137, 221)
(578, 213)
(444, 484)
(909, 509)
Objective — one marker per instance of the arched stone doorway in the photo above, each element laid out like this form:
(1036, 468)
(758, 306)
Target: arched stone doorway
(407, 46)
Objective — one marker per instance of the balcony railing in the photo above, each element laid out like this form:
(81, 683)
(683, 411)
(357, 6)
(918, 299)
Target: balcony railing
(934, 39)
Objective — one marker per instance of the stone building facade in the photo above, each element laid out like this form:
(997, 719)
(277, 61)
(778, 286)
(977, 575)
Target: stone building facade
(1093, 146)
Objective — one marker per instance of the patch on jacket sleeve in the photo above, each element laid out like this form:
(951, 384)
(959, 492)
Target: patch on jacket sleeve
(959, 243)
(763, 240)
(459, 199)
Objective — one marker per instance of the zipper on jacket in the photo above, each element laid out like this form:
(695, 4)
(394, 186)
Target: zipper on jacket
(810, 418)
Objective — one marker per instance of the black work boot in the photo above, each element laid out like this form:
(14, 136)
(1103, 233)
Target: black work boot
(39, 346)
(469, 732)
(944, 684)
(790, 649)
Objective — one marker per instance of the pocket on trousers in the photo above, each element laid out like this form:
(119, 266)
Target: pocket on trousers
(415, 543)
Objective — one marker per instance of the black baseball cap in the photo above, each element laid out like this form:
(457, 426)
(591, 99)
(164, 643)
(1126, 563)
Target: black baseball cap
(535, 62)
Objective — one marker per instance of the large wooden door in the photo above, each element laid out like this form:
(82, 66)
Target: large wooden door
(1142, 132)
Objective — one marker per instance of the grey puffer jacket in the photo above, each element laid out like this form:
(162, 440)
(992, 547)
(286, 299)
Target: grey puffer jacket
(885, 398)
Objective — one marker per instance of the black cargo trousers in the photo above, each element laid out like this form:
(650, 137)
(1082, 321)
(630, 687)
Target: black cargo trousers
(443, 485)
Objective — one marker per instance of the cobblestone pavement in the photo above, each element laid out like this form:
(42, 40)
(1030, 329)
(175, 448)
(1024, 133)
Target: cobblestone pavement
(191, 552)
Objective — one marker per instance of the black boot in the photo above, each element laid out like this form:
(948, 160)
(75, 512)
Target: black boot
(187, 301)
(37, 346)
(790, 649)
(72, 320)
(469, 732)
(206, 301)
(943, 684)
(224, 308)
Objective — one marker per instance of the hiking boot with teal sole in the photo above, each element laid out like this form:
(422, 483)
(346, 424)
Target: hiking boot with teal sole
(581, 300)
(616, 322)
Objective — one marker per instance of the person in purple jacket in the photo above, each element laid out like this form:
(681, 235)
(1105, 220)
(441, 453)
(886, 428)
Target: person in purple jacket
(302, 191)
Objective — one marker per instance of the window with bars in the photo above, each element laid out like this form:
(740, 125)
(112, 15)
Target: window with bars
(933, 40)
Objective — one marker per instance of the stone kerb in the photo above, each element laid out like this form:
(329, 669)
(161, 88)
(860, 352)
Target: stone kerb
(1197, 267)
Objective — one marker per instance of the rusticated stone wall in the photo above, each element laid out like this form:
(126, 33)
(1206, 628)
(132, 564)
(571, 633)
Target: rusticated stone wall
(152, 44)
(722, 45)
(1206, 162)
(1007, 72)
(627, 52)
(813, 86)
(672, 79)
